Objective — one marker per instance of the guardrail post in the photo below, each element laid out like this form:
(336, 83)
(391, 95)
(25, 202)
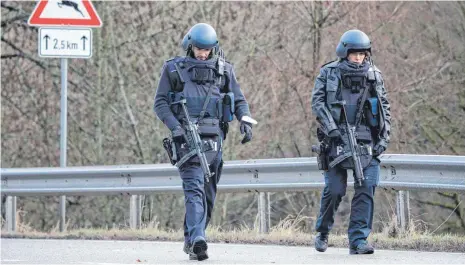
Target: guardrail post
(407, 205)
(62, 213)
(403, 209)
(135, 211)
(11, 213)
(264, 211)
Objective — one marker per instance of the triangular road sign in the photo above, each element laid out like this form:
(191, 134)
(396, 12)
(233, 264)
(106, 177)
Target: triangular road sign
(65, 13)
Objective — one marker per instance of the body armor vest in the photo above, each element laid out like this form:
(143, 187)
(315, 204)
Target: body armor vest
(353, 87)
(199, 83)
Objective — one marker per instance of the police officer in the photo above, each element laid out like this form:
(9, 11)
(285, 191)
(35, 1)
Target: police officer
(213, 95)
(354, 79)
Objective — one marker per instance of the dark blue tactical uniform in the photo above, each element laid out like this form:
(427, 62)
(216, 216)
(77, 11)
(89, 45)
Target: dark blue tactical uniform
(361, 87)
(213, 97)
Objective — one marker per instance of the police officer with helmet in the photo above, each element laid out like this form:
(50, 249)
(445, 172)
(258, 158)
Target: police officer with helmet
(350, 89)
(213, 97)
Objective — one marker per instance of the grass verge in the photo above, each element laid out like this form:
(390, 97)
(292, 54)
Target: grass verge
(289, 237)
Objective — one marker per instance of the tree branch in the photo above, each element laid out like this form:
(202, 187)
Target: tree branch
(22, 54)
(8, 56)
(140, 152)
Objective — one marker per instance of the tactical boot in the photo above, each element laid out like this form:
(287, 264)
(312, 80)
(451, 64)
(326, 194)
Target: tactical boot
(321, 242)
(199, 247)
(362, 248)
(192, 256)
(186, 249)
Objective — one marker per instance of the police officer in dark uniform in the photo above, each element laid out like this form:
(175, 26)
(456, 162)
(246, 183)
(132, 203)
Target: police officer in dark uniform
(356, 81)
(208, 84)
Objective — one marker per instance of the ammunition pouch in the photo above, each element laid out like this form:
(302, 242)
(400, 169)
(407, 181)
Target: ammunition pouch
(202, 76)
(353, 80)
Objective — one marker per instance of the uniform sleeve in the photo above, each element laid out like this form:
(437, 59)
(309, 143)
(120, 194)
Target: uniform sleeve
(386, 129)
(161, 105)
(241, 107)
(319, 107)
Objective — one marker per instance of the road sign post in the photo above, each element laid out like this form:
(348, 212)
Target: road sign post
(63, 133)
(66, 33)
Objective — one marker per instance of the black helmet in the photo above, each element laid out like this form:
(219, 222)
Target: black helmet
(353, 40)
(202, 36)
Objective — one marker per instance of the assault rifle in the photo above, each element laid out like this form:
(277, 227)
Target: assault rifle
(195, 144)
(352, 141)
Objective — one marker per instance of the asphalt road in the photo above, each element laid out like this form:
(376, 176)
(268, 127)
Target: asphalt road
(34, 251)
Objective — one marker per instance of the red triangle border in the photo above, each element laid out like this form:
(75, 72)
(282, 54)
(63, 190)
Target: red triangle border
(35, 20)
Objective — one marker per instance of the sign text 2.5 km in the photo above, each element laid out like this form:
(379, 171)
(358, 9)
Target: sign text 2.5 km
(69, 42)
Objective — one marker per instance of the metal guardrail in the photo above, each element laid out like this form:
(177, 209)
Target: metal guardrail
(403, 172)
(398, 171)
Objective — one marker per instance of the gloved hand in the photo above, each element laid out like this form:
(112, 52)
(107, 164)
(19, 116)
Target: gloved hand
(335, 134)
(378, 150)
(247, 129)
(178, 133)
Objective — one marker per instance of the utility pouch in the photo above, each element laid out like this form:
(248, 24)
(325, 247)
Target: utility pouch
(354, 81)
(210, 131)
(209, 127)
(321, 150)
(371, 112)
(322, 162)
(225, 128)
(227, 106)
(322, 158)
(203, 75)
(170, 148)
(363, 135)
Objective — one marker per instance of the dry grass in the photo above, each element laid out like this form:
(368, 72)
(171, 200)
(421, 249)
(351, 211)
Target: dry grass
(285, 233)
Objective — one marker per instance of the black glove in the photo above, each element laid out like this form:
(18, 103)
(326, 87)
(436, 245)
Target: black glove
(335, 134)
(247, 129)
(178, 133)
(378, 150)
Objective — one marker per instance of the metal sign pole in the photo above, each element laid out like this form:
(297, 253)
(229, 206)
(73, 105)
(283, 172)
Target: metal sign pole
(63, 133)
(60, 36)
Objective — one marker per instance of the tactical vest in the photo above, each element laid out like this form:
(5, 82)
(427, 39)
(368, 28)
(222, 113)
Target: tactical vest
(352, 89)
(196, 81)
(202, 84)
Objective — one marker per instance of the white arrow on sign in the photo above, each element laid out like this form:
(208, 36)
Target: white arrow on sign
(65, 42)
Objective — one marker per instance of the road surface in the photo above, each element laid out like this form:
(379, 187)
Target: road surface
(103, 252)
